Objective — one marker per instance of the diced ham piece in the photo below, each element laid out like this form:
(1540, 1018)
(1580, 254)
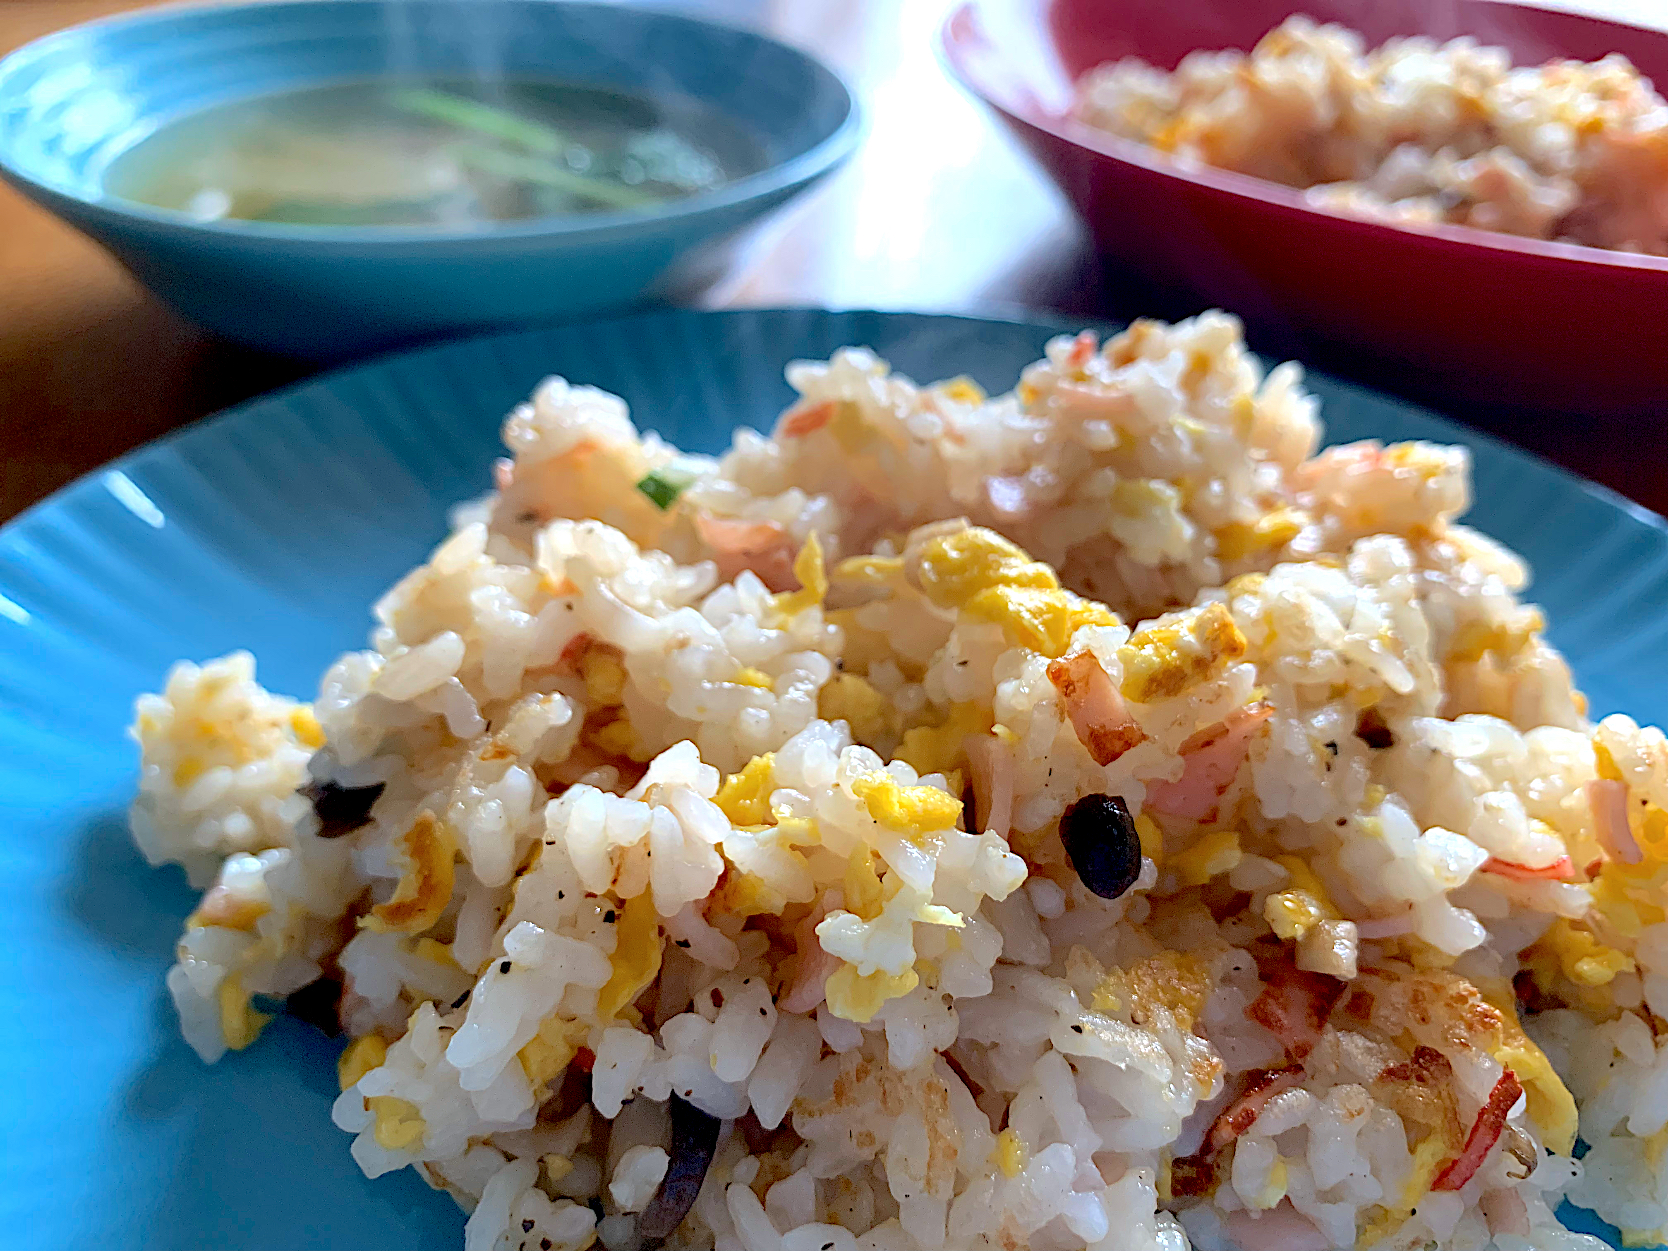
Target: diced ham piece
(991, 765)
(1560, 870)
(1294, 1005)
(1211, 761)
(1608, 800)
(798, 422)
(573, 651)
(815, 965)
(1485, 1132)
(1281, 1228)
(1097, 711)
(762, 546)
(1242, 1113)
(1082, 348)
(1505, 1213)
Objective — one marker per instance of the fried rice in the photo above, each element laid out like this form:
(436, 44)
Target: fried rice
(1084, 817)
(1412, 132)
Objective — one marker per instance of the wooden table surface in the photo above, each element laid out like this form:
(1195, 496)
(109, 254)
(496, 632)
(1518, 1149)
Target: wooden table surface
(939, 211)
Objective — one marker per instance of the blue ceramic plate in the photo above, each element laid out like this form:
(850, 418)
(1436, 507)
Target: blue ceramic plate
(273, 527)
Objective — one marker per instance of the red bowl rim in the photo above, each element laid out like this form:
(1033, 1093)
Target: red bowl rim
(961, 26)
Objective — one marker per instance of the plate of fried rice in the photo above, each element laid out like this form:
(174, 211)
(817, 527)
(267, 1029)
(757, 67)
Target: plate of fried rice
(1410, 180)
(1058, 788)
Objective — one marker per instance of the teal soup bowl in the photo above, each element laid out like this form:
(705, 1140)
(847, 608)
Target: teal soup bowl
(72, 104)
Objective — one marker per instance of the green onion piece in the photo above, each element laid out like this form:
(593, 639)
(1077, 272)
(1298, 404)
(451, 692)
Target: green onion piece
(344, 213)
(543, 173)
(665, 484)
(442, 106)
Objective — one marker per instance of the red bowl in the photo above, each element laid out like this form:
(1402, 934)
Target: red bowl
(1502, 320)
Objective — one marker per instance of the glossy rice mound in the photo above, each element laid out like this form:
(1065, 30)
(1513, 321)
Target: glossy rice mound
(687, 845)
(1412, 132)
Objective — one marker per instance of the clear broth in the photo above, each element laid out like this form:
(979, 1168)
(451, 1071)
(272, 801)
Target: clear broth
(445, 154)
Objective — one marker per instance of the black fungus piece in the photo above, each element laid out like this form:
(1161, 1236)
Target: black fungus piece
(694, 1140)
(1372, 729)
(317, 1004)
(1102, 845)
(341, 809)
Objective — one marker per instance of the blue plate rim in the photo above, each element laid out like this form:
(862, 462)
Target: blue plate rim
(781, 179)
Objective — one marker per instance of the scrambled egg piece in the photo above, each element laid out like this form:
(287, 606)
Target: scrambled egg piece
(1476, 638)
(913, 811)
(1292, 913)
(1152, 839)
(1010, 1153)
(1550, 1105)
(619, 738)
(853, 699)
(745, 894)
(1428, 1156)
(227, 909)
(549, 1052)
(398, 1122)
(1237, 540)
(1039, 619)
(745, 796)
(962, 389)
(979, 572)
(1578, 955)
(305, 726)
(1216, 853)
(1274, 1189)
(637, 952)
(362, 1055)
(1295, 911)
(603, 669)
(955, 567)
(808, 567)
(433, 949)
(556, 1166)
(426, 888)
(240, 1024)
(863, 892)
(1177, 652)
(938, 749)
(857, 997)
